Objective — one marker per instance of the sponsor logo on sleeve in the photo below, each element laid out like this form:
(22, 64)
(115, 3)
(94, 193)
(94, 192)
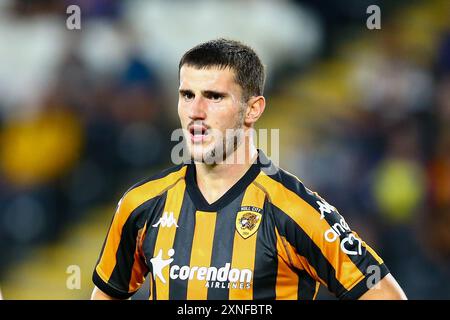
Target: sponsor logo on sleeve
(350, 244)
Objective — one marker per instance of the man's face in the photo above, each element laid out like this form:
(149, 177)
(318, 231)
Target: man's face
(209, 103)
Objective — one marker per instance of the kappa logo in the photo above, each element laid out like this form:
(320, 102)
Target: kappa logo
(167, 220)
(325, 207)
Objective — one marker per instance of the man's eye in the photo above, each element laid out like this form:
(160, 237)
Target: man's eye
(216, 97)
(187, 95)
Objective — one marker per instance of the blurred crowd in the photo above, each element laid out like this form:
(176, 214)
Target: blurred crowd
(364, 115)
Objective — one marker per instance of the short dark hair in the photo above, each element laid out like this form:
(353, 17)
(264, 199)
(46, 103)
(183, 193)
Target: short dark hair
(224, 53)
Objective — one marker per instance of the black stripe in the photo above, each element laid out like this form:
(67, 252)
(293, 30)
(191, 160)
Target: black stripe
(362, 286)
(266, 261)
(108, 288)
(222, 251)
(121, 275)
(298, 238)
(153, 289)
(183, 247)
(306, 286)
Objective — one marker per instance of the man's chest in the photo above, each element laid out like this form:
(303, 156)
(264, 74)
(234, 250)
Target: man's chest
(194, 254)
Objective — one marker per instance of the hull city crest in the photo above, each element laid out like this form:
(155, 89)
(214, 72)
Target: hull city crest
(248, 220)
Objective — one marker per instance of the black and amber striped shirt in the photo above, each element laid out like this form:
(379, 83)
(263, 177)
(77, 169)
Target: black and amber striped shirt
(267, 237)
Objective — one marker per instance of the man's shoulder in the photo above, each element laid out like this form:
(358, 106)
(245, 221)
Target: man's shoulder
(286, 190)
(168, 174)
(155, 185)
(281, 181)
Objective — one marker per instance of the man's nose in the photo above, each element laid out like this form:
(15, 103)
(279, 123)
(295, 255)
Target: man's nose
(198, 109)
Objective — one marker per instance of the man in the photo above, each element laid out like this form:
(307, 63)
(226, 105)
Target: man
(219, 228)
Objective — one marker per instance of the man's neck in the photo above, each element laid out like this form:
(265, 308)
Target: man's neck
(215, 180)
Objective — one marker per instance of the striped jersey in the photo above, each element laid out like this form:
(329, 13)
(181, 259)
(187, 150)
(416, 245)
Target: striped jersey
(267, 237)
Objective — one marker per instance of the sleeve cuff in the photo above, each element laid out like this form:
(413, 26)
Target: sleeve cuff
(361, 287)
(109, 289)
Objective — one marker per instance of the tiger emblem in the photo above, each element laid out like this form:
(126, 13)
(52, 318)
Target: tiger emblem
(248, 221)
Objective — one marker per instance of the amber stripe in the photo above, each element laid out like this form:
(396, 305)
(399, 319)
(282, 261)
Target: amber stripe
(166, 236)
(201, 253)
(244, 250)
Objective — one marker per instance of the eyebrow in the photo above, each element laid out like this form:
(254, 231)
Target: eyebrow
(205, 92)
(181, 91)
(213, 92)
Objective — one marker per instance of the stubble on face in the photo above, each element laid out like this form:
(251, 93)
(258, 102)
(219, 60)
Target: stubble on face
(231, 140)
(225, 122)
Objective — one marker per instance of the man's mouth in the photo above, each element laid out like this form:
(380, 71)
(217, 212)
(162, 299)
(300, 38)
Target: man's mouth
(198, 133)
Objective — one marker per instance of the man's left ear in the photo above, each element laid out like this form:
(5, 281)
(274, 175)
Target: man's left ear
(255, 108)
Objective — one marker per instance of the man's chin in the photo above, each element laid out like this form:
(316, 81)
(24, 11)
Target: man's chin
(205, 155)
(201, 158)
(198, 153)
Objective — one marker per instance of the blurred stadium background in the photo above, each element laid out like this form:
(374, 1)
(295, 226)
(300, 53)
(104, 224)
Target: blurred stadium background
(364, 118)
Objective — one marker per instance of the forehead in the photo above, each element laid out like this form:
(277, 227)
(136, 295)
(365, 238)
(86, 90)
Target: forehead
(207, 78)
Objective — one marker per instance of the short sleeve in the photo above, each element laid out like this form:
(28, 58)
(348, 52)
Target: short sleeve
(356, 265)
(328, 250)
(121, 267)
